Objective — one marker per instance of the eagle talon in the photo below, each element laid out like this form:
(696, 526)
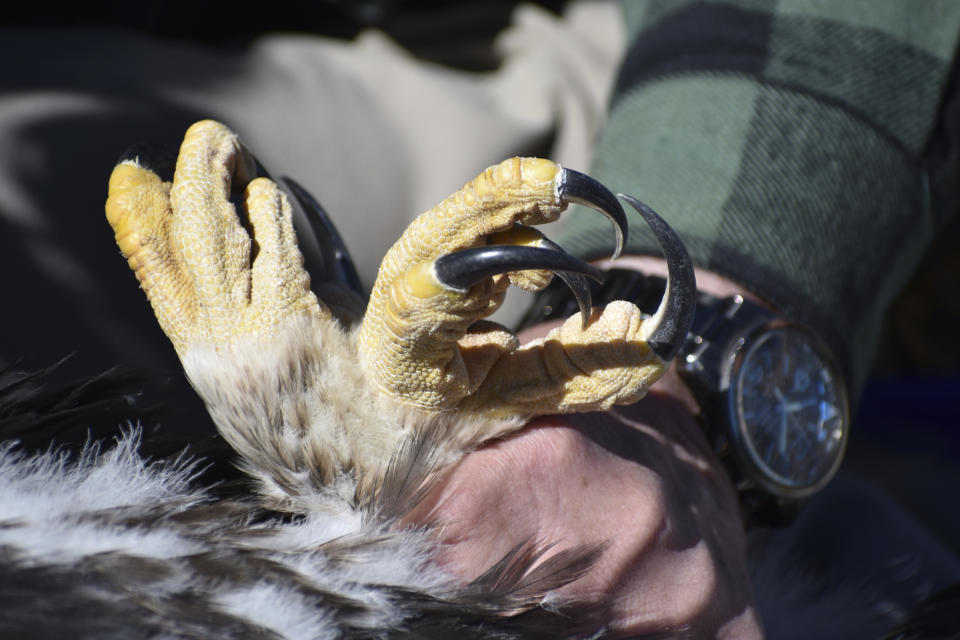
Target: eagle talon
(461, 270)
(675, 314)
(418, 343)
(582, 189)
(576, 281)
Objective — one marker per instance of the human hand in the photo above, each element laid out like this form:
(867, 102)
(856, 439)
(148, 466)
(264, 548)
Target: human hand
(641, 480)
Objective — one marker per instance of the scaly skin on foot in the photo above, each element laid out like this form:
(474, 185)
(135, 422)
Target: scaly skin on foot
(218, 287)
(415, 342)
(190, 253)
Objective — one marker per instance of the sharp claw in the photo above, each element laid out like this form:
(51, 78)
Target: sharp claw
(333, 258)
(154, 157)
(582, 189)
(576, 282)
(465, 268)
(675, 314)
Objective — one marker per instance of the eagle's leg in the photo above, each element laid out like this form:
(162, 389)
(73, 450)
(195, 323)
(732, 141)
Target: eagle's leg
(421, 341)
(227, 284)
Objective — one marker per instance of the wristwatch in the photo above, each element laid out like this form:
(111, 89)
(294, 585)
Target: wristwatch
(773, 400)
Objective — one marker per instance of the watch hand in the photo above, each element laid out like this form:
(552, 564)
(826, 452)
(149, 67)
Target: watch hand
(783, 406)
(791, 407)
(782, 440)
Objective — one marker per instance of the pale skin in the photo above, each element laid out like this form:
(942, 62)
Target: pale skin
(642, 480)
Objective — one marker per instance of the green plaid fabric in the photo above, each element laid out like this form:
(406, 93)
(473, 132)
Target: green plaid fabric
(807, 149)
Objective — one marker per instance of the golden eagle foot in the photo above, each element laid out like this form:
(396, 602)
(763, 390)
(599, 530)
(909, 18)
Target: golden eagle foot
(303, 392)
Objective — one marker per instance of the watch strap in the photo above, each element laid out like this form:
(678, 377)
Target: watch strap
(556, 302)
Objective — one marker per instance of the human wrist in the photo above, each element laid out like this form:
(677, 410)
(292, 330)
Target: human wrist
(743, 364)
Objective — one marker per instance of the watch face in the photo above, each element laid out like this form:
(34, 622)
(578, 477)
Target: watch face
(790, 410)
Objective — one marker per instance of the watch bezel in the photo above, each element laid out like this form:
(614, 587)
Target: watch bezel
(755, 470)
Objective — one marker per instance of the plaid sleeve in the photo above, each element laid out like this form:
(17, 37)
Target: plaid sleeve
(805, 149)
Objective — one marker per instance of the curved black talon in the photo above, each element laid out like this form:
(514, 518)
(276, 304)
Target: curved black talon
(582, 189)
(675, 314)
(576, 282)
(329, 254)
(463, 269)
(153, 157)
